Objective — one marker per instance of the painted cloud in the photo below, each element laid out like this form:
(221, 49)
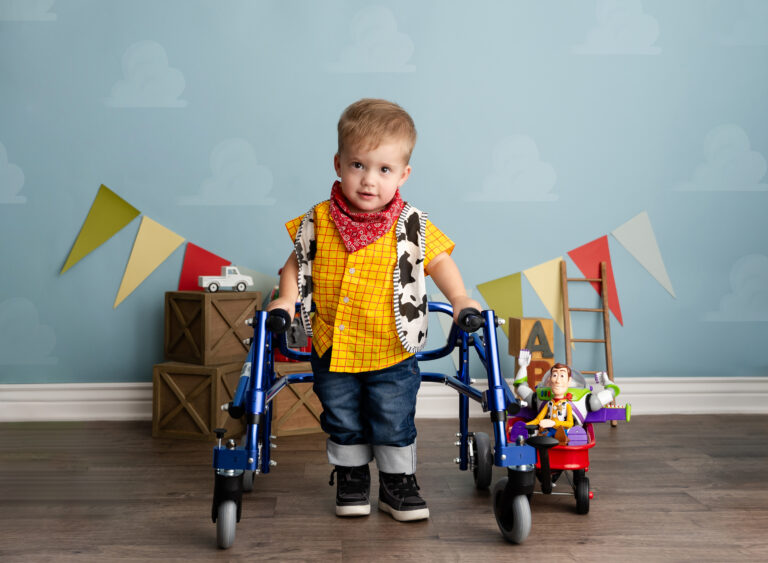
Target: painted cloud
(731, 164)
(11, 180)
(23, 340)
(148, 81)
(623, 28)
(748, 300)
(750, 27)
(377, 45)
(26, 10)
(517, 173)
(238, 178)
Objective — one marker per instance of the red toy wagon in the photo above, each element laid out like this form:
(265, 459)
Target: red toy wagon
(555, 459)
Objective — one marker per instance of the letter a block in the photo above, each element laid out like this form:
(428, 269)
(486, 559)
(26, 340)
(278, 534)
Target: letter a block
(536, 335)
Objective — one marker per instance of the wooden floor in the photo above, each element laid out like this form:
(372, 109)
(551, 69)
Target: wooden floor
(674, 488)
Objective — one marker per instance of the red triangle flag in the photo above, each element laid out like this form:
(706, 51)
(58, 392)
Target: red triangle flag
(588, 258)
(199, 262)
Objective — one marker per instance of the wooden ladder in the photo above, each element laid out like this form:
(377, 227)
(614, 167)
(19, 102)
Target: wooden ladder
(606, 340)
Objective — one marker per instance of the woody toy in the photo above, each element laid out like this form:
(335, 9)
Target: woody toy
(556, 416)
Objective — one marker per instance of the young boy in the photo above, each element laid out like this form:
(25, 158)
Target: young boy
(361, 258)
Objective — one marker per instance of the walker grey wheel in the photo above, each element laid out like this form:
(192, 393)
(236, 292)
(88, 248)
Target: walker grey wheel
(514, 520)
(482, 460)
(225, 524)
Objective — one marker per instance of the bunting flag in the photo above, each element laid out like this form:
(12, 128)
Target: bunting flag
(153, 245)
(587, 258)
(637, 237)
(109, 214)
(199, 262)
(505, 296)
(545, 280)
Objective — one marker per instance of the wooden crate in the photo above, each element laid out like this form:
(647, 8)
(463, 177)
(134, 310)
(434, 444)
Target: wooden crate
(208, 328)
(187, 399)
(295, 409)
(536, 335)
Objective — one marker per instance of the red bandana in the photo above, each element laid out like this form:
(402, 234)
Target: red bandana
(358, 230)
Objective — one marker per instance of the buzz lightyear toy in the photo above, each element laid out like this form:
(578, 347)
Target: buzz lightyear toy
(564, 396)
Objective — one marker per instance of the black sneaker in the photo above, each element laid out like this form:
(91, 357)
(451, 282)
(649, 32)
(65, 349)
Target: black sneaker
(353, 489)
(399, 496)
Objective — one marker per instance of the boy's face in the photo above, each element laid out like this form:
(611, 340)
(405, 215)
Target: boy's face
(370, 177)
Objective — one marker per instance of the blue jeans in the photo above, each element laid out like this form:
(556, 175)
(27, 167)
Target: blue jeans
(369, 414)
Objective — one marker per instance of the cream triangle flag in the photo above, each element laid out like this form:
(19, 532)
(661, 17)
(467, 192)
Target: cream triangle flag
(636, 235)
(154, 243)
(545, 280)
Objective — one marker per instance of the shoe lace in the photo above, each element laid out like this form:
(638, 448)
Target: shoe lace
(406, 485)
(350, 476)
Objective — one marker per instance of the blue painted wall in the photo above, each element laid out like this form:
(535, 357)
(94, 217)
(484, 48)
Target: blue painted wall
(624, 107)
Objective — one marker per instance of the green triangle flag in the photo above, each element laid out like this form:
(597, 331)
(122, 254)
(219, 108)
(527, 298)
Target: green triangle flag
(505, 296)
(109, 214)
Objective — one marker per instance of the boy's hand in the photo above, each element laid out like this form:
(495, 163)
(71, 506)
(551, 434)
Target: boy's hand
(463, 302)
(287, 305)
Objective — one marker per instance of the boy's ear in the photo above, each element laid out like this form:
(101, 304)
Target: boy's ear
(337, 164)
(406, 173)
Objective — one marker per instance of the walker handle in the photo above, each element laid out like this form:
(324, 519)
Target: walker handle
(470, 319)
(278, 321)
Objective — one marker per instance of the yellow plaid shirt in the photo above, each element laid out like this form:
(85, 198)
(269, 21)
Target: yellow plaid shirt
(353, 295)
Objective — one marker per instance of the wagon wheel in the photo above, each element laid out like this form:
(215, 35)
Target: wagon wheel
(581, 488)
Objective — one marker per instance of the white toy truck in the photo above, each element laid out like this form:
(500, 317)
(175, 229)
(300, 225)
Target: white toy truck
(230, 278)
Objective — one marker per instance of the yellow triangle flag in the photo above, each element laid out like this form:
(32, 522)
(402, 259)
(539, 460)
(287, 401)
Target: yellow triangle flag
(108, 214)
(154, 243)
(505, 296)
(545, 279)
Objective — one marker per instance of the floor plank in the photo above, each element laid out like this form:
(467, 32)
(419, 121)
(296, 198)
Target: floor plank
(673, 488)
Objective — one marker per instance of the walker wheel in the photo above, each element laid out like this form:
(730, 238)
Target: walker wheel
(225, 524)
(482, 460)
(514, 520)
(248, 480)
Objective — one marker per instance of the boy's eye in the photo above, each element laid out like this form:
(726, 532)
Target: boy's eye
(357, 165)
(385, 169)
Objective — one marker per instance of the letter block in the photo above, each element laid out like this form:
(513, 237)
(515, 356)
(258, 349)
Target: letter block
(536, 335)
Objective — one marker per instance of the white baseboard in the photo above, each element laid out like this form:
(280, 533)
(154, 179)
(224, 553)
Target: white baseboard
(75, 401)
(133, 401)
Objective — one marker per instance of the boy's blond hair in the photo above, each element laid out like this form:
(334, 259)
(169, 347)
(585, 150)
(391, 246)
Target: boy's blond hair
(369, 121)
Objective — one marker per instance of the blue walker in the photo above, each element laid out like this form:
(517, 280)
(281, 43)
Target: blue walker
(236, 465)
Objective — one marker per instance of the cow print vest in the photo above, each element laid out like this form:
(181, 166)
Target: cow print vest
(410, 293)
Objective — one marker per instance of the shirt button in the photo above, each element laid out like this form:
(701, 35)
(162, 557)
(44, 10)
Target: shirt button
(346, 300)
(341, 327)
(351, 270)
